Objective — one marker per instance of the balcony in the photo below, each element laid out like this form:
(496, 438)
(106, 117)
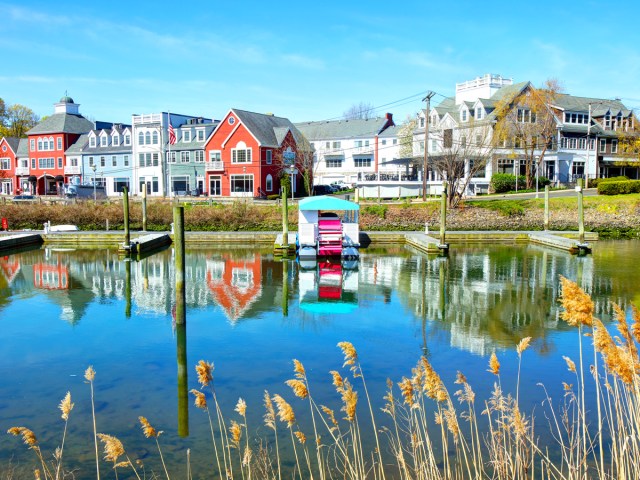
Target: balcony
(72, 170)
(367, 150)
(214, 166)
(22, 171)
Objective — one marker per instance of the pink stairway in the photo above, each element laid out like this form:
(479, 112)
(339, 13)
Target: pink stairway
(329, 237)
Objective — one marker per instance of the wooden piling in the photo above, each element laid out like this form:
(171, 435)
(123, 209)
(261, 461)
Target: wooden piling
(285, 219)
(443, 213)
(144, 207)
(125, 207)
(178, 241)
(546, 207)
(183, 394)
(580, 212)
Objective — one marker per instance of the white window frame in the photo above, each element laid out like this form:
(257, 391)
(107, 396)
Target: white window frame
(185, 156)
(269, 183)
(602, 147)
(186, 135)
(59, 143)
(247, 154)
(199, 156)
(103, 141)
(171, 157)
(127, 140)
(92, 142)
(215, 155)
(247, 178)
(614, 146)
(115, 140)
(269, 156)
(200, 135)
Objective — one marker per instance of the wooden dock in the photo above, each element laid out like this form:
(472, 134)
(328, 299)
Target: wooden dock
(145, 243)
(279, 248)
(556, 241)
(19, 240)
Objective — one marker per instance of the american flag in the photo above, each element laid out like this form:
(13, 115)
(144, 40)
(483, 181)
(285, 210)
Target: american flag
(172, 135)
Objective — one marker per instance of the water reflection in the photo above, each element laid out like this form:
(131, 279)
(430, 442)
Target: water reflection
(484, 297)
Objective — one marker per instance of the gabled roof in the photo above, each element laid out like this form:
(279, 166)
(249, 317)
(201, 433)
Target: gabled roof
(342, 129)
(599, 106)
(23, 148)
(62, 123)
(13, 143)
(78, 145)
(263, 127)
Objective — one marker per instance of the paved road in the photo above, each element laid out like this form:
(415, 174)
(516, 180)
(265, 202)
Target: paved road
(588, 192)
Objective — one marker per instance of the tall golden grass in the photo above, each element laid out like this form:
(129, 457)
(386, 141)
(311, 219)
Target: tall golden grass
(424, 431)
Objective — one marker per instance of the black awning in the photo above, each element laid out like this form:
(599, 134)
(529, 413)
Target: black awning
(59, 178)
(33, 178)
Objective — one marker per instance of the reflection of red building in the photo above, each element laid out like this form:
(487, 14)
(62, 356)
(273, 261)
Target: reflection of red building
(10, 267)
(50, 276)
(235, 283)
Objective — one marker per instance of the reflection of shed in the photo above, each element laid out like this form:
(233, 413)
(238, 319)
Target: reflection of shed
(235, 283)
(50, 276)
(328, 288)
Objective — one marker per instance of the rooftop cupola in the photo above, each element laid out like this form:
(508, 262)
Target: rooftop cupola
(67, 105)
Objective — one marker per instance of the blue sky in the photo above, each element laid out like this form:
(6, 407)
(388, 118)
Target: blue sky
(305, 60)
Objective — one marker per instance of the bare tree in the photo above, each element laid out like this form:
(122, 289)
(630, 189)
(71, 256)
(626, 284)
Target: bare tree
(463, 153)
(359, 111)
(405, 137)
(527, 125)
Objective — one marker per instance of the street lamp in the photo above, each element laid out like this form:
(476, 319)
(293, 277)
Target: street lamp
(45, 183)
(94, 167)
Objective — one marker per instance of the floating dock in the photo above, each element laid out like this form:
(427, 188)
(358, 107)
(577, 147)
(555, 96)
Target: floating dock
(146, 243)
(19, 240)
(279, 248)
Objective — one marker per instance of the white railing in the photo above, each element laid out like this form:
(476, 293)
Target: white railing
(151, 118)
(363, 150)
(22, 171)
(214, 166)
(71, 170)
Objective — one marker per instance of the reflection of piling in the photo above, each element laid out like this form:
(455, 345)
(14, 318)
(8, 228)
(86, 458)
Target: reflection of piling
(183, 395)
(125, 206)
(127, 288)
(285, 219)
(178, 241)
(443, 219)
(546, 207)
(285, 287)
(144, 207)
(442, 291)
(580, 211)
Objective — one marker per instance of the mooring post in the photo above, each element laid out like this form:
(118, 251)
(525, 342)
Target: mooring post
(357, 194)
(546, 207)
(127, 287)
(285, 221)
(183, 394)
(443, 213)
(580, 211)
(125, 206)
(285, 287)
(178, 245)
(107, 225)
(144, 207)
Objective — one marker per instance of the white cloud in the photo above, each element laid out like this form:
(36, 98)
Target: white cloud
(303, 62)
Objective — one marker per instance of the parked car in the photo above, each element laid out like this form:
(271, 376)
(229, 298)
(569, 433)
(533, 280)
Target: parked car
(340, 186)
(24, 198)
(322, 190)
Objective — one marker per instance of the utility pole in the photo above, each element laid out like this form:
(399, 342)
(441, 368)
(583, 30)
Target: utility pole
(425, 164)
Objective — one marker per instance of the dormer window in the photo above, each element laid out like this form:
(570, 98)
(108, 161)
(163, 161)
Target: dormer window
(103, 141)
(479, 113)
(127, 139)
(200, 135)
(92, 142)
(607, 121)
(422, 122)
(115, 140)
(186, 135)
(464, 115)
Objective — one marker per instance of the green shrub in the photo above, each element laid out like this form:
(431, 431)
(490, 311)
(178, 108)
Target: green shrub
(377, 210)
(508, 208)
(505, 182)
(597, 181)
(273, 196)
(619, 188)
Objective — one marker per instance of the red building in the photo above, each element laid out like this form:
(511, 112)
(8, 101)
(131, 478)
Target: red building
(8, 163)
(48, 141)
(247, 154)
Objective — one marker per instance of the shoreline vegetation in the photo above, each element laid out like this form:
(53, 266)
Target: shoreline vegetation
(611, 217)
(424, 431)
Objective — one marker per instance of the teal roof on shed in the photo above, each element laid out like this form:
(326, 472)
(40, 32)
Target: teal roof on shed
(324, 202)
